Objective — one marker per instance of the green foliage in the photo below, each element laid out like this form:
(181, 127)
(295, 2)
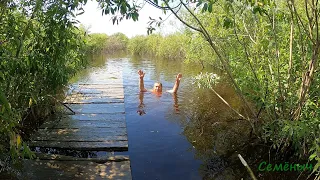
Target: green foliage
(206, 80)
(96, 42)
(137, 45)
(99, 42)
(117, 42)
(168, 47)
(40, 49)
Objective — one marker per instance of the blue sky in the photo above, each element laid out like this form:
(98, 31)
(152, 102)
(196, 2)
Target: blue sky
(102, 24)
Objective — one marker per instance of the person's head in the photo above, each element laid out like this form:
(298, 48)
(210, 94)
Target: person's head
(157, 87)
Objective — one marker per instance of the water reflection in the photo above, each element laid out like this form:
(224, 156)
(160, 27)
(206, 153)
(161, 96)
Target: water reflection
(141, 107)
(213, 131)
(188, 135)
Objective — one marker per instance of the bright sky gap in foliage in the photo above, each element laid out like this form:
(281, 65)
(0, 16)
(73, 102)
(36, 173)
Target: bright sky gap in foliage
(93, 19)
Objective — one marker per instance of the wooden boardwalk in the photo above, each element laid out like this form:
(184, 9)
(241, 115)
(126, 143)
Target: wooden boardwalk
(95, 121)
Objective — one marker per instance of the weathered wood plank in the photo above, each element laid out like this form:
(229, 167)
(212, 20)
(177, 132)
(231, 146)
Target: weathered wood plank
(100, 116)
(87, 130)
(84, 134)
(115, 95)
(105, 145)
(104, 81)
(77, 118)
(99, 86)
(104, 159)
(73, 124)
(97, 108)
(83, 90)
(92, 100)
(51, 169)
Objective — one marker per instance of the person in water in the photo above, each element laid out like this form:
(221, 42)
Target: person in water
(157, 87)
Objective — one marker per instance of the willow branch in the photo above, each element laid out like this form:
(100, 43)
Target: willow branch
(181, 20)
(299, 19)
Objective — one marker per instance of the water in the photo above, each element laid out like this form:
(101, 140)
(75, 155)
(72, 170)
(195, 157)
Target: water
(187, 136)
(157, 147)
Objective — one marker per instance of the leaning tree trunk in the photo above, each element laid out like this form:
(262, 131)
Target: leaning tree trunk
(311, 30)
(306, 81)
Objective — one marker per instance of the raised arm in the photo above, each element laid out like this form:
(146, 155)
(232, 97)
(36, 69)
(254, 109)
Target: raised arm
(177, 83)
(141, 82)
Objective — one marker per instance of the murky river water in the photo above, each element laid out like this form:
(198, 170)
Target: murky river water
(192, 135)
(188, 136)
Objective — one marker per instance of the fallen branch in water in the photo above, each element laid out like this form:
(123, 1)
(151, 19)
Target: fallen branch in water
(247, 166)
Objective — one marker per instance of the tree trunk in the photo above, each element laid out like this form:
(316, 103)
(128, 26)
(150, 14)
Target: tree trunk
(306, 81)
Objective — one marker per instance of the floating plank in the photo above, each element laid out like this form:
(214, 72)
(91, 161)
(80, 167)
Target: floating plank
(103, 159)
(97, 108)
(74, 124)
(107, 145)
(52, 169)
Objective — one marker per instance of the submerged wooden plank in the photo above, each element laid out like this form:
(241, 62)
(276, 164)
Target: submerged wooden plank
(116, 95)
(51, 169)
(97, 108)
(99, 86)
(95, 85)
(100, 116)
(73, 124)
(105, 145)
(104, 159)
(92, 100)
(83, 90)
(104, 82)
(85, 134)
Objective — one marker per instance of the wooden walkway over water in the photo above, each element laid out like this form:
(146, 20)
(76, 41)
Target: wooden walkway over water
(95, 122)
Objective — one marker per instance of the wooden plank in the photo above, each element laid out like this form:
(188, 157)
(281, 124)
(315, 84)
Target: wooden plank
(104, 81)
(87, 130)
(51, 169)
(115, 95)
(95, 85)
(97, 108)
(104, 159)
(92, 100)
(73, 124)
(100, 86)
(100, 116)
(110, 92)
(105, 145)
(104, 97)
(56, 119)
(84, 134)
